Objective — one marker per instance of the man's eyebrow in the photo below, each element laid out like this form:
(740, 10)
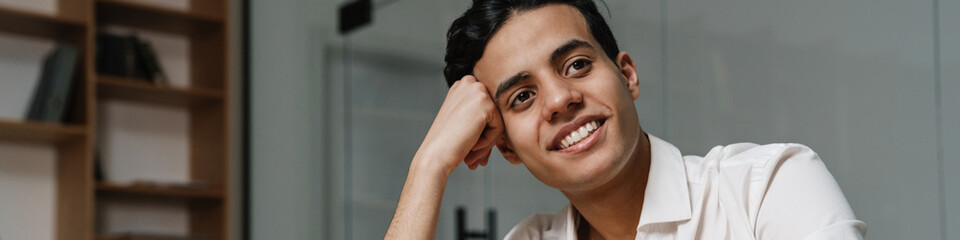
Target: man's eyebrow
(557, 53)
(503, 86)
(566, 48)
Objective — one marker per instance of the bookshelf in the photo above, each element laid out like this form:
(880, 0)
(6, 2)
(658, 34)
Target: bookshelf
(38, 132)
(136, 90)
(205, 98)
(156, 18)
(41, 25)
(165, 192)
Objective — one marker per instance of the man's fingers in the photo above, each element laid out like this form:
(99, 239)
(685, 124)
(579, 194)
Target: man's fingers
(483, 159)
(472, 100)
(472, 157)
(491, 132)
(486, 158)
(477, 158)
(487, 138)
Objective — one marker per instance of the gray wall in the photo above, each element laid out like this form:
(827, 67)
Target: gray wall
(855, 80)
(949, 93)
(872, 86)
(287, 169)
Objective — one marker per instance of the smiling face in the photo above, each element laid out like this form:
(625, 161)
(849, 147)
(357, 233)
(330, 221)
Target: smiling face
(567, 107)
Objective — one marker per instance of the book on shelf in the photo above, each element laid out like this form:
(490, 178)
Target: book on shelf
(151, 65)
(52, 95)
(128, 56)
(97, 166)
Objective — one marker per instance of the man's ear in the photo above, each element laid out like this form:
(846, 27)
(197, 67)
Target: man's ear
(629, 72)
(504, 146)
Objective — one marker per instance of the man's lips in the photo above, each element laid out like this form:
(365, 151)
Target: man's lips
(566, 130)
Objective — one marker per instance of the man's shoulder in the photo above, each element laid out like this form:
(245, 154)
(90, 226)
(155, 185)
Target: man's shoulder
(541, 226)
(749, 168)
(750, 155)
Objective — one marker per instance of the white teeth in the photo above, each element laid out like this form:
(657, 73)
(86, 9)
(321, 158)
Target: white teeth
(579, 134)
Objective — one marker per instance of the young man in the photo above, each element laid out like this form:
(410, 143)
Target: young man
(545, 83)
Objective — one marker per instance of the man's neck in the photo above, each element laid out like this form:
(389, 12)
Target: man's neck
(613, 210)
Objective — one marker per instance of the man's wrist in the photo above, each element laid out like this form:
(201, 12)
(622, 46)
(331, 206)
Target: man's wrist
(430, 163)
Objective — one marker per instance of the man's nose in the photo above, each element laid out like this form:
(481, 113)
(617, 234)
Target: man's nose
(559, 97)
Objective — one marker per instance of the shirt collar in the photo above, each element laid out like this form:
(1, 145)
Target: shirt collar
(667, 195)
(666, 198)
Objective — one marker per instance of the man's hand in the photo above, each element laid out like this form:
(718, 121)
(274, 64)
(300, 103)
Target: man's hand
(465, 130)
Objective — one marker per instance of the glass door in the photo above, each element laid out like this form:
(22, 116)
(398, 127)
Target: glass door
(388, 80)
(390, 74)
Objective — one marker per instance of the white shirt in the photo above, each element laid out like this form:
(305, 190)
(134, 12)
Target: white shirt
(740, 191)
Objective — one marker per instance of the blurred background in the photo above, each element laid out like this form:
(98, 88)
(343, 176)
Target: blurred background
(317, 126)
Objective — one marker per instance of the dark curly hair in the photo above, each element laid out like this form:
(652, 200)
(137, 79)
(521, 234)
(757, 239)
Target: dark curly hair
(468, 35)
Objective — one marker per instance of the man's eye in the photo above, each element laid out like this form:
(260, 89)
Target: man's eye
(578, 65)
(522, 97)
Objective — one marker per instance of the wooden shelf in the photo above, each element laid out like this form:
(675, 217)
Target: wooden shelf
(38, 24)
(17, 130)
(131, 190)
(141, 91)
(77, 22)
(155, 18)
(135, 237)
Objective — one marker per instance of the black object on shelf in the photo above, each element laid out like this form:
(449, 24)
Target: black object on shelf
(355, 15)
(150, 64)
(98, 167)
(117, 56)
(52, 94)
(128, 57)
(489, 234)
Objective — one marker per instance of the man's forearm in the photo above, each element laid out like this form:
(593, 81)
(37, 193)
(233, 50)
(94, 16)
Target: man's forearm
(463, 132)
(419, 205)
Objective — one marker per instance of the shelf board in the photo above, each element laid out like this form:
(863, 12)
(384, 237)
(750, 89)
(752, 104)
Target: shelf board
(38, 24)
(141, 91)
(156, 191)
(107, 237)
(145, 237)
(19, 130)
(144, 16)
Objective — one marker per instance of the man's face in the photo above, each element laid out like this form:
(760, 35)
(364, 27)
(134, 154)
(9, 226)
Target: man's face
(552, 83)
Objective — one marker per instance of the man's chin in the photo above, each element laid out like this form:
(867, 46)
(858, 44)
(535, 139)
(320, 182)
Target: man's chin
(583, 177)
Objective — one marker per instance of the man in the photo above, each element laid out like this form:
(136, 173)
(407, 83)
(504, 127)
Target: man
(545, 83)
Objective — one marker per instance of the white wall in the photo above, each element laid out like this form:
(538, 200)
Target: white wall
(27, 201)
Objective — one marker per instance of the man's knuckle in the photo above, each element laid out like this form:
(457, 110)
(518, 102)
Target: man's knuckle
(484, 115)
(488, 105)
(479, 86)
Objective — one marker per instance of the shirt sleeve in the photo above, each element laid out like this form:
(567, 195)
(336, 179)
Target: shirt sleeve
(803, 201)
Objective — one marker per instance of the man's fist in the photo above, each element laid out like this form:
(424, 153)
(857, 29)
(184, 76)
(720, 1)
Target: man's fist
(465, 129)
